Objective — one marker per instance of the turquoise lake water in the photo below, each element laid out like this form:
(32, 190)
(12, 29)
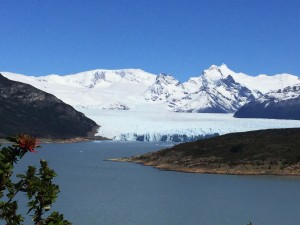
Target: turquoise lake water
(95, 191)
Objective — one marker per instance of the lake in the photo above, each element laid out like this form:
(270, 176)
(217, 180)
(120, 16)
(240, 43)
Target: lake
(95, 191)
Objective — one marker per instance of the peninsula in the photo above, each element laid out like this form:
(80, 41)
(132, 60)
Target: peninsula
(262, 152)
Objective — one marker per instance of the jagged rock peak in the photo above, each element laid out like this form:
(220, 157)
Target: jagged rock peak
(217, 72)
(223, 66)
(166, 79)
(289, 92)
(165, 88)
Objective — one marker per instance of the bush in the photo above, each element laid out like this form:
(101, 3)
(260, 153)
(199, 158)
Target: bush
(237, 148)
(37, 186)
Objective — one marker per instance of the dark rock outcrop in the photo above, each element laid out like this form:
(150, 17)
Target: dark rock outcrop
(25, 109)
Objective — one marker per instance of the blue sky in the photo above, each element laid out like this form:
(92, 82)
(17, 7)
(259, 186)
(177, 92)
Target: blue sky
(179, 37)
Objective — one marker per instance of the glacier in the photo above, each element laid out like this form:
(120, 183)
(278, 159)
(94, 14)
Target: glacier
(152, 125)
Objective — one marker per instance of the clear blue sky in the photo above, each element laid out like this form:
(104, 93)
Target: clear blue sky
(179, 37)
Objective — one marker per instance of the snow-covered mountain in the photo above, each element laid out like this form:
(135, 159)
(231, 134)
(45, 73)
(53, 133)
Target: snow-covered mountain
(205, 94)
(216, 96)
(281, 104)
(131, 104)
(165, 88)
(221, 90)
(217, 90)
(261, 83)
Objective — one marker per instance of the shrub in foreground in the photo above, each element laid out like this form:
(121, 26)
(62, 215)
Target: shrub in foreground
(35, 184)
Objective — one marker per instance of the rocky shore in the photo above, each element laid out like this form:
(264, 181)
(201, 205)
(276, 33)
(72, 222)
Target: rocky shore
(217, 168)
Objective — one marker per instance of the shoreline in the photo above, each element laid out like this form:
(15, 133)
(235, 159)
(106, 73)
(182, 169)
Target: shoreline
(62, 140)
(220, 171)
(90, 136)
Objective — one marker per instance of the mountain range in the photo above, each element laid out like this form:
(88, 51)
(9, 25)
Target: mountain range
(217, 90)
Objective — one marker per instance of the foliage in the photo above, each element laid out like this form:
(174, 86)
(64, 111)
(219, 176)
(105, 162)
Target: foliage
(37, 186)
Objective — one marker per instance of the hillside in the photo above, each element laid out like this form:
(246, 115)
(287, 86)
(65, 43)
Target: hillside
(274, 151)
(25, 109)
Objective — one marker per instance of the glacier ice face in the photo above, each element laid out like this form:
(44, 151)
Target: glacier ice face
(163, 125)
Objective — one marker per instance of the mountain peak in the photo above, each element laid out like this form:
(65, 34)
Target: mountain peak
(216, 73)
(213, 73)
(166, 79)
(223, 66)
(164, 75)
(213, 67)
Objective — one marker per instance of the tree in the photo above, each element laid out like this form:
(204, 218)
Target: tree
(37, 186)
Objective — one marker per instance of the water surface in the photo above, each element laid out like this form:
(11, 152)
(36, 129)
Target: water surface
(95, 191)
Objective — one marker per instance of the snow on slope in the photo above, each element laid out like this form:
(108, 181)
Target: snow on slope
(94, 89)
(290, 92)
(262, 83)
(217, 94)
(165, 88)
(221, 90)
